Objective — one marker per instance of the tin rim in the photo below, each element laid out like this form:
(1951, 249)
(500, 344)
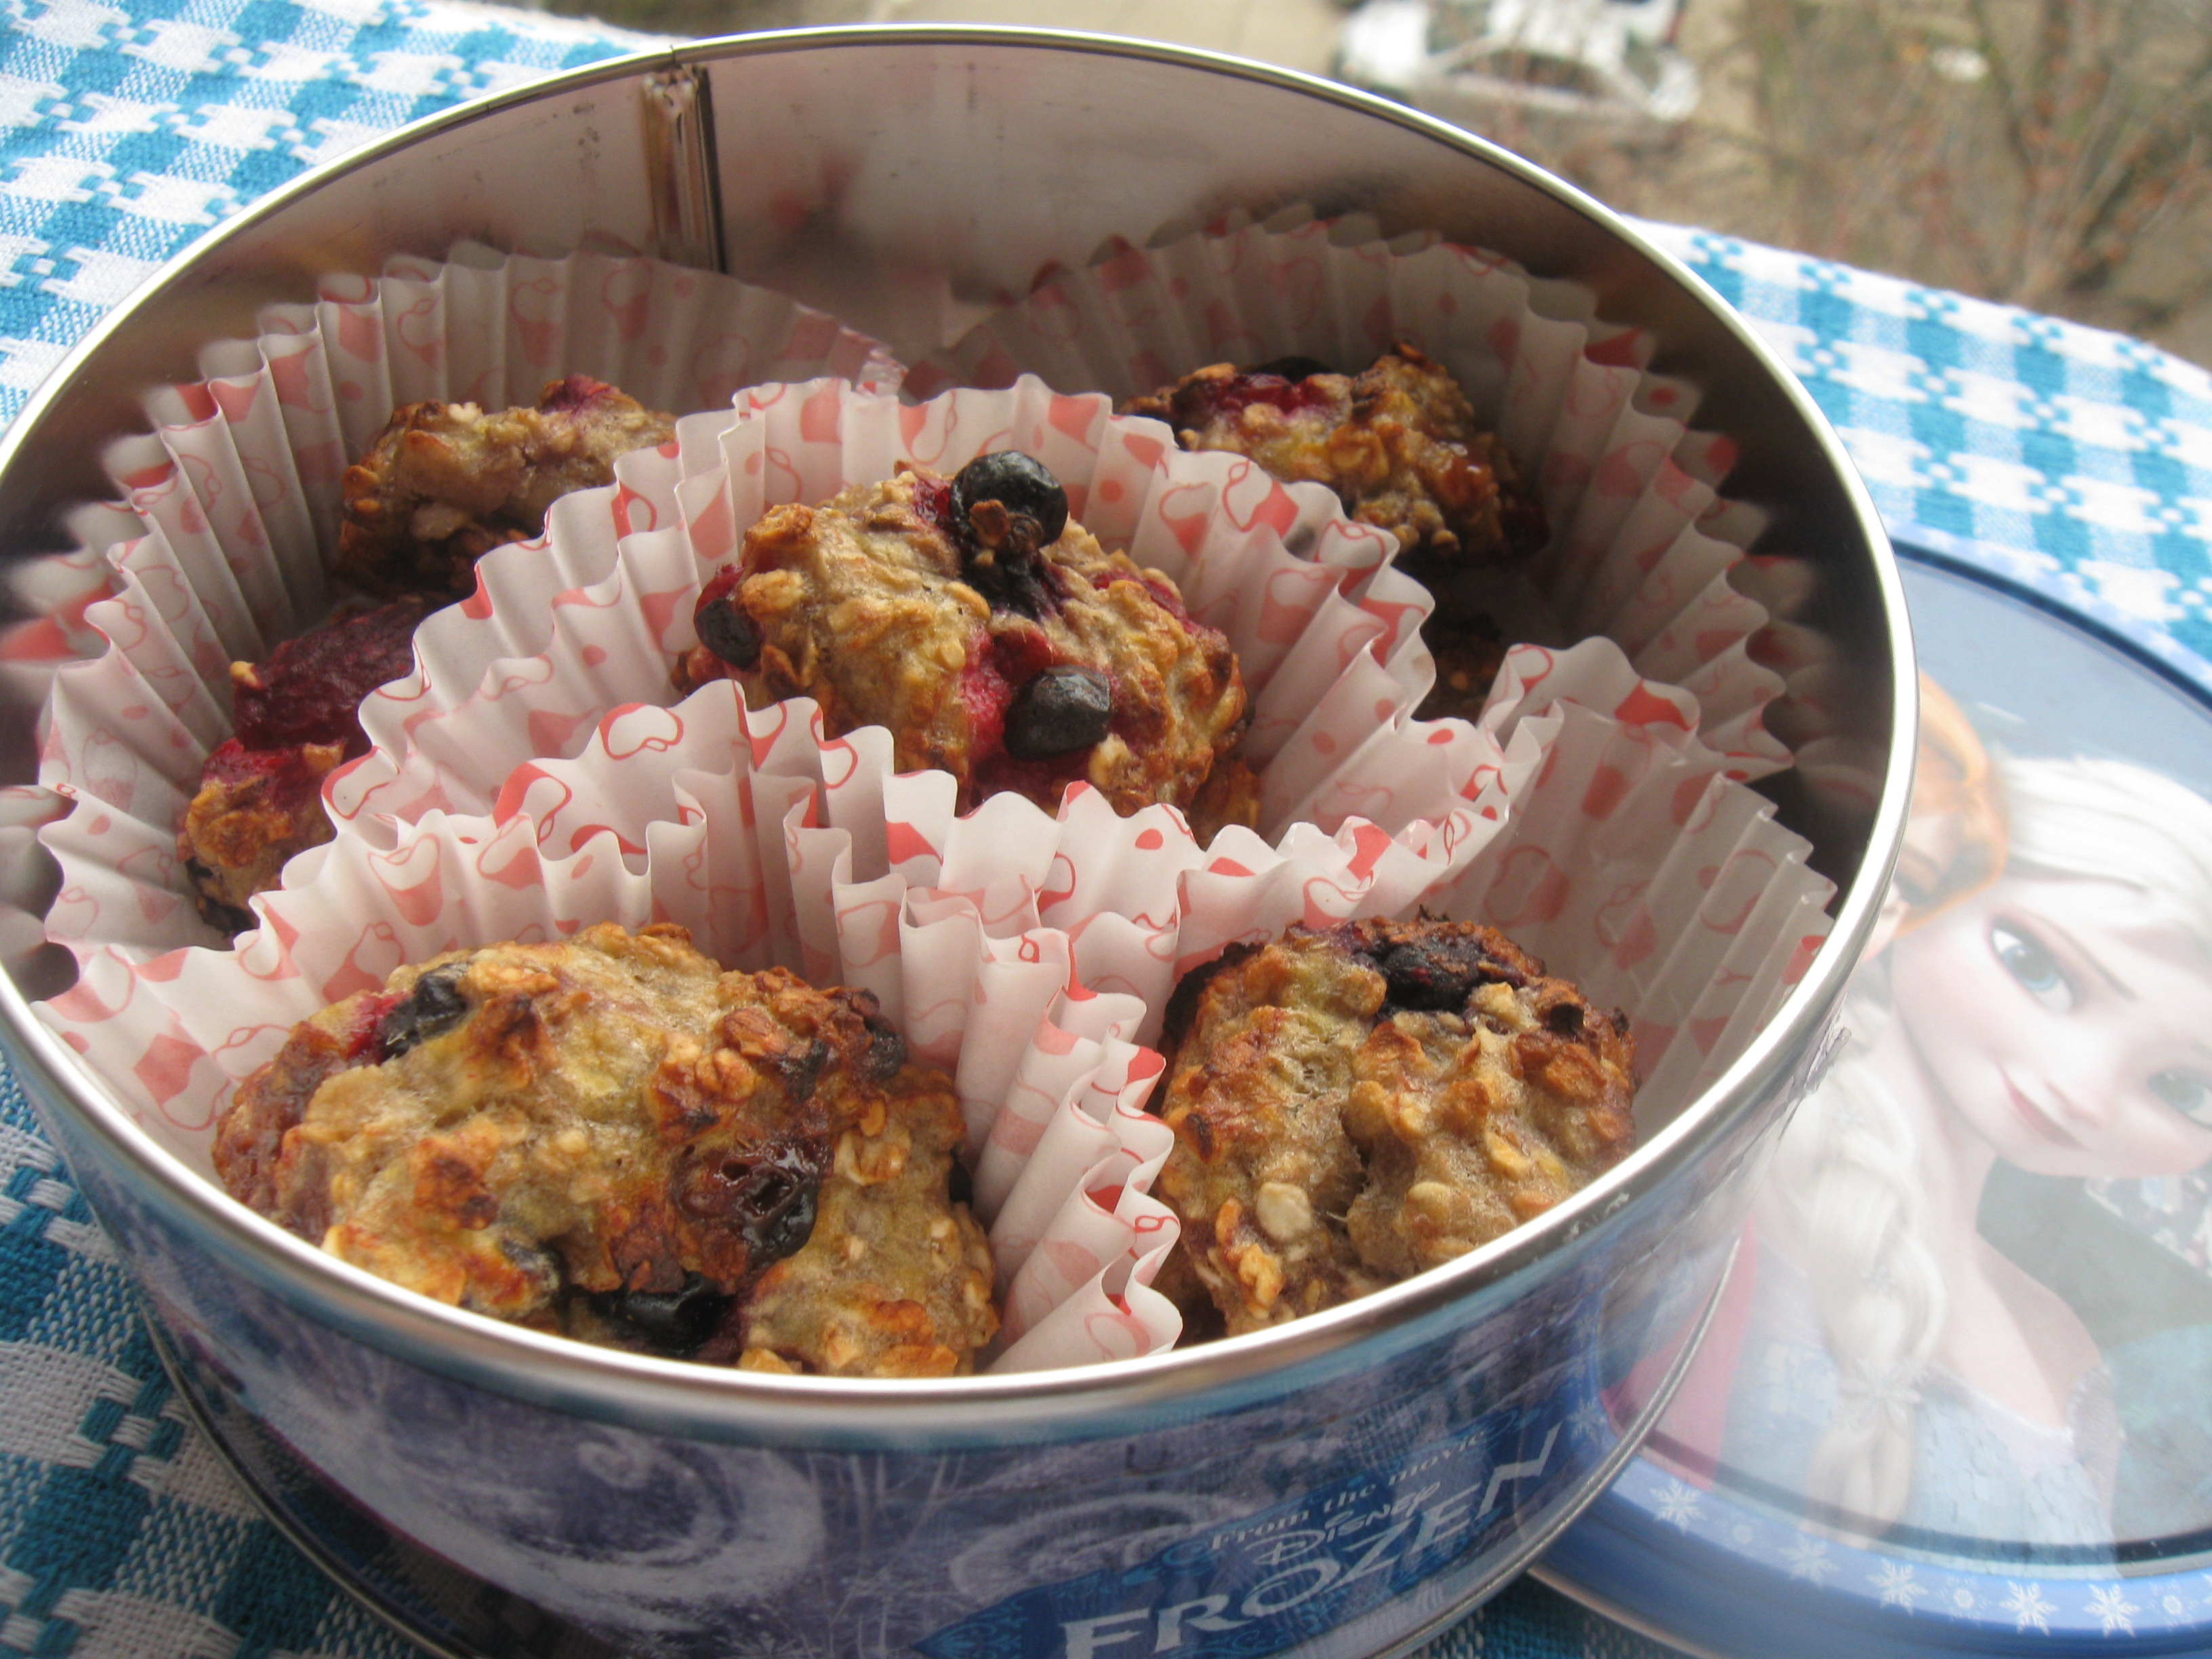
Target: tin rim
(515, 1361)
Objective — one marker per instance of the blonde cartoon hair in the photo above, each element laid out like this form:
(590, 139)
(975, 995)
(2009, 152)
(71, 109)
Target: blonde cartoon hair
(1955, 836)
(1847, 1172)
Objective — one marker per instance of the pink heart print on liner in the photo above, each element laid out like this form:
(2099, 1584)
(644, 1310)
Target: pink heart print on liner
(773, 844)
(229, 512)
(1642, 545)
(1048, 1077)
(1325, 628)
(1606, 836)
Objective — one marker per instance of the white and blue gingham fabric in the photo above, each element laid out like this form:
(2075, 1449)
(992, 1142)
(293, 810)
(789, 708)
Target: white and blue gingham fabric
(2078, 461)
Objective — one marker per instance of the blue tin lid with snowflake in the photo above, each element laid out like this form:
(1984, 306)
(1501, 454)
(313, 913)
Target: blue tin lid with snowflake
(1956, 1396)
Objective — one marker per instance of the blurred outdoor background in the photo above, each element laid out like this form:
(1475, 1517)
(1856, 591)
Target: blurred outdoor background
(2050, 154)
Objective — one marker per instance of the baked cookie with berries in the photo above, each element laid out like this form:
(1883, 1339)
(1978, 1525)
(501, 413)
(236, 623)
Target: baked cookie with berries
(994, 639)
(1399, 444)
(611, 1138)
(1397, 441)
(296, 719)
(444, 483)
(1355, 1104)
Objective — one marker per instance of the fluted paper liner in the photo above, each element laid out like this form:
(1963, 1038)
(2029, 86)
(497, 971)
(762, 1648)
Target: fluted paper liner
(1325, 629)
(1620, 850)
(1587, 813)
(1043, 1066)
(219, 550)
(1642, 542)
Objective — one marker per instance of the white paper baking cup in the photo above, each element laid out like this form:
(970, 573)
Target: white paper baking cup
(1326, 630)
(1642, 542)
(25, 870)
(1619, 849)
(748, 858)
(1371, 811)
(219, 550)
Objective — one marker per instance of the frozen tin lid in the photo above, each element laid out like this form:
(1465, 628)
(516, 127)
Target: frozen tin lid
(1957, 1394)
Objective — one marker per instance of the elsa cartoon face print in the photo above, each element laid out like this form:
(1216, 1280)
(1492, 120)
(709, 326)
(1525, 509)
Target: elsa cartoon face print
(2066, 1021)
(2044, 1006)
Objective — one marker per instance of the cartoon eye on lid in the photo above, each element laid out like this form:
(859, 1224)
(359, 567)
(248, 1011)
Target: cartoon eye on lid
(2035, 968)
(2189, 1093)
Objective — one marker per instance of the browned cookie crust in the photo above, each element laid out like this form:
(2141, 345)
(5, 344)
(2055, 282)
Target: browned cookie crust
(1397, 442)
(611, 1138)
(1014, 667)
(1398, 445)
(444, 484)
(1355, 1105)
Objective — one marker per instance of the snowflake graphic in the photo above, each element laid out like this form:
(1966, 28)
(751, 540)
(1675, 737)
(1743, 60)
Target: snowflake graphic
(1809, 1560)
(2026, 1605)
(2111, 1604)
(1589, 1423)
(1679, 1503)
(2173, 1605)
(1963, 1599)
(1899, 1587)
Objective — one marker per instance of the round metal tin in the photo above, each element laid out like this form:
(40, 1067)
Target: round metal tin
(1759, 1517)
(1335, 1487)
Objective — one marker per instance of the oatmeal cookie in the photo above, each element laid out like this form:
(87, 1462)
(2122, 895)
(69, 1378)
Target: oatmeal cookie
(611, 1138)
(1353, 1105)
(1397, 442)
(996, 640)
(296, 718)
(444, 484)
(1398, 445)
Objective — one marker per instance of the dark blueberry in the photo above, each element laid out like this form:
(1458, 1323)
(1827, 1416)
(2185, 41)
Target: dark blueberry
(959, 1185)
(801, 1070)
(671, 1323)
(541, 1268)
(225, 918)
(886, 1050)
(1429, 974)
(1292, 368)
(767, 1192)
(435, 1006)
(1564, 1019)
(1062, 710)
(727, 631)
(1023, 586)
(1008, 502)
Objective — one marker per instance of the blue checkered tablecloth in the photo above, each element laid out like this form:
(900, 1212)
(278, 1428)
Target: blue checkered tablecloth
(2080, 462)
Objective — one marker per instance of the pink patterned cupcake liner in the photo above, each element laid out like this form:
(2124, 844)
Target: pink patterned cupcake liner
(25, 869)
(1379, 813)
(1051, 1084)
(1328, 633)
(1642, 543)
(536, 773)
(219, 549)
(1619, 849)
